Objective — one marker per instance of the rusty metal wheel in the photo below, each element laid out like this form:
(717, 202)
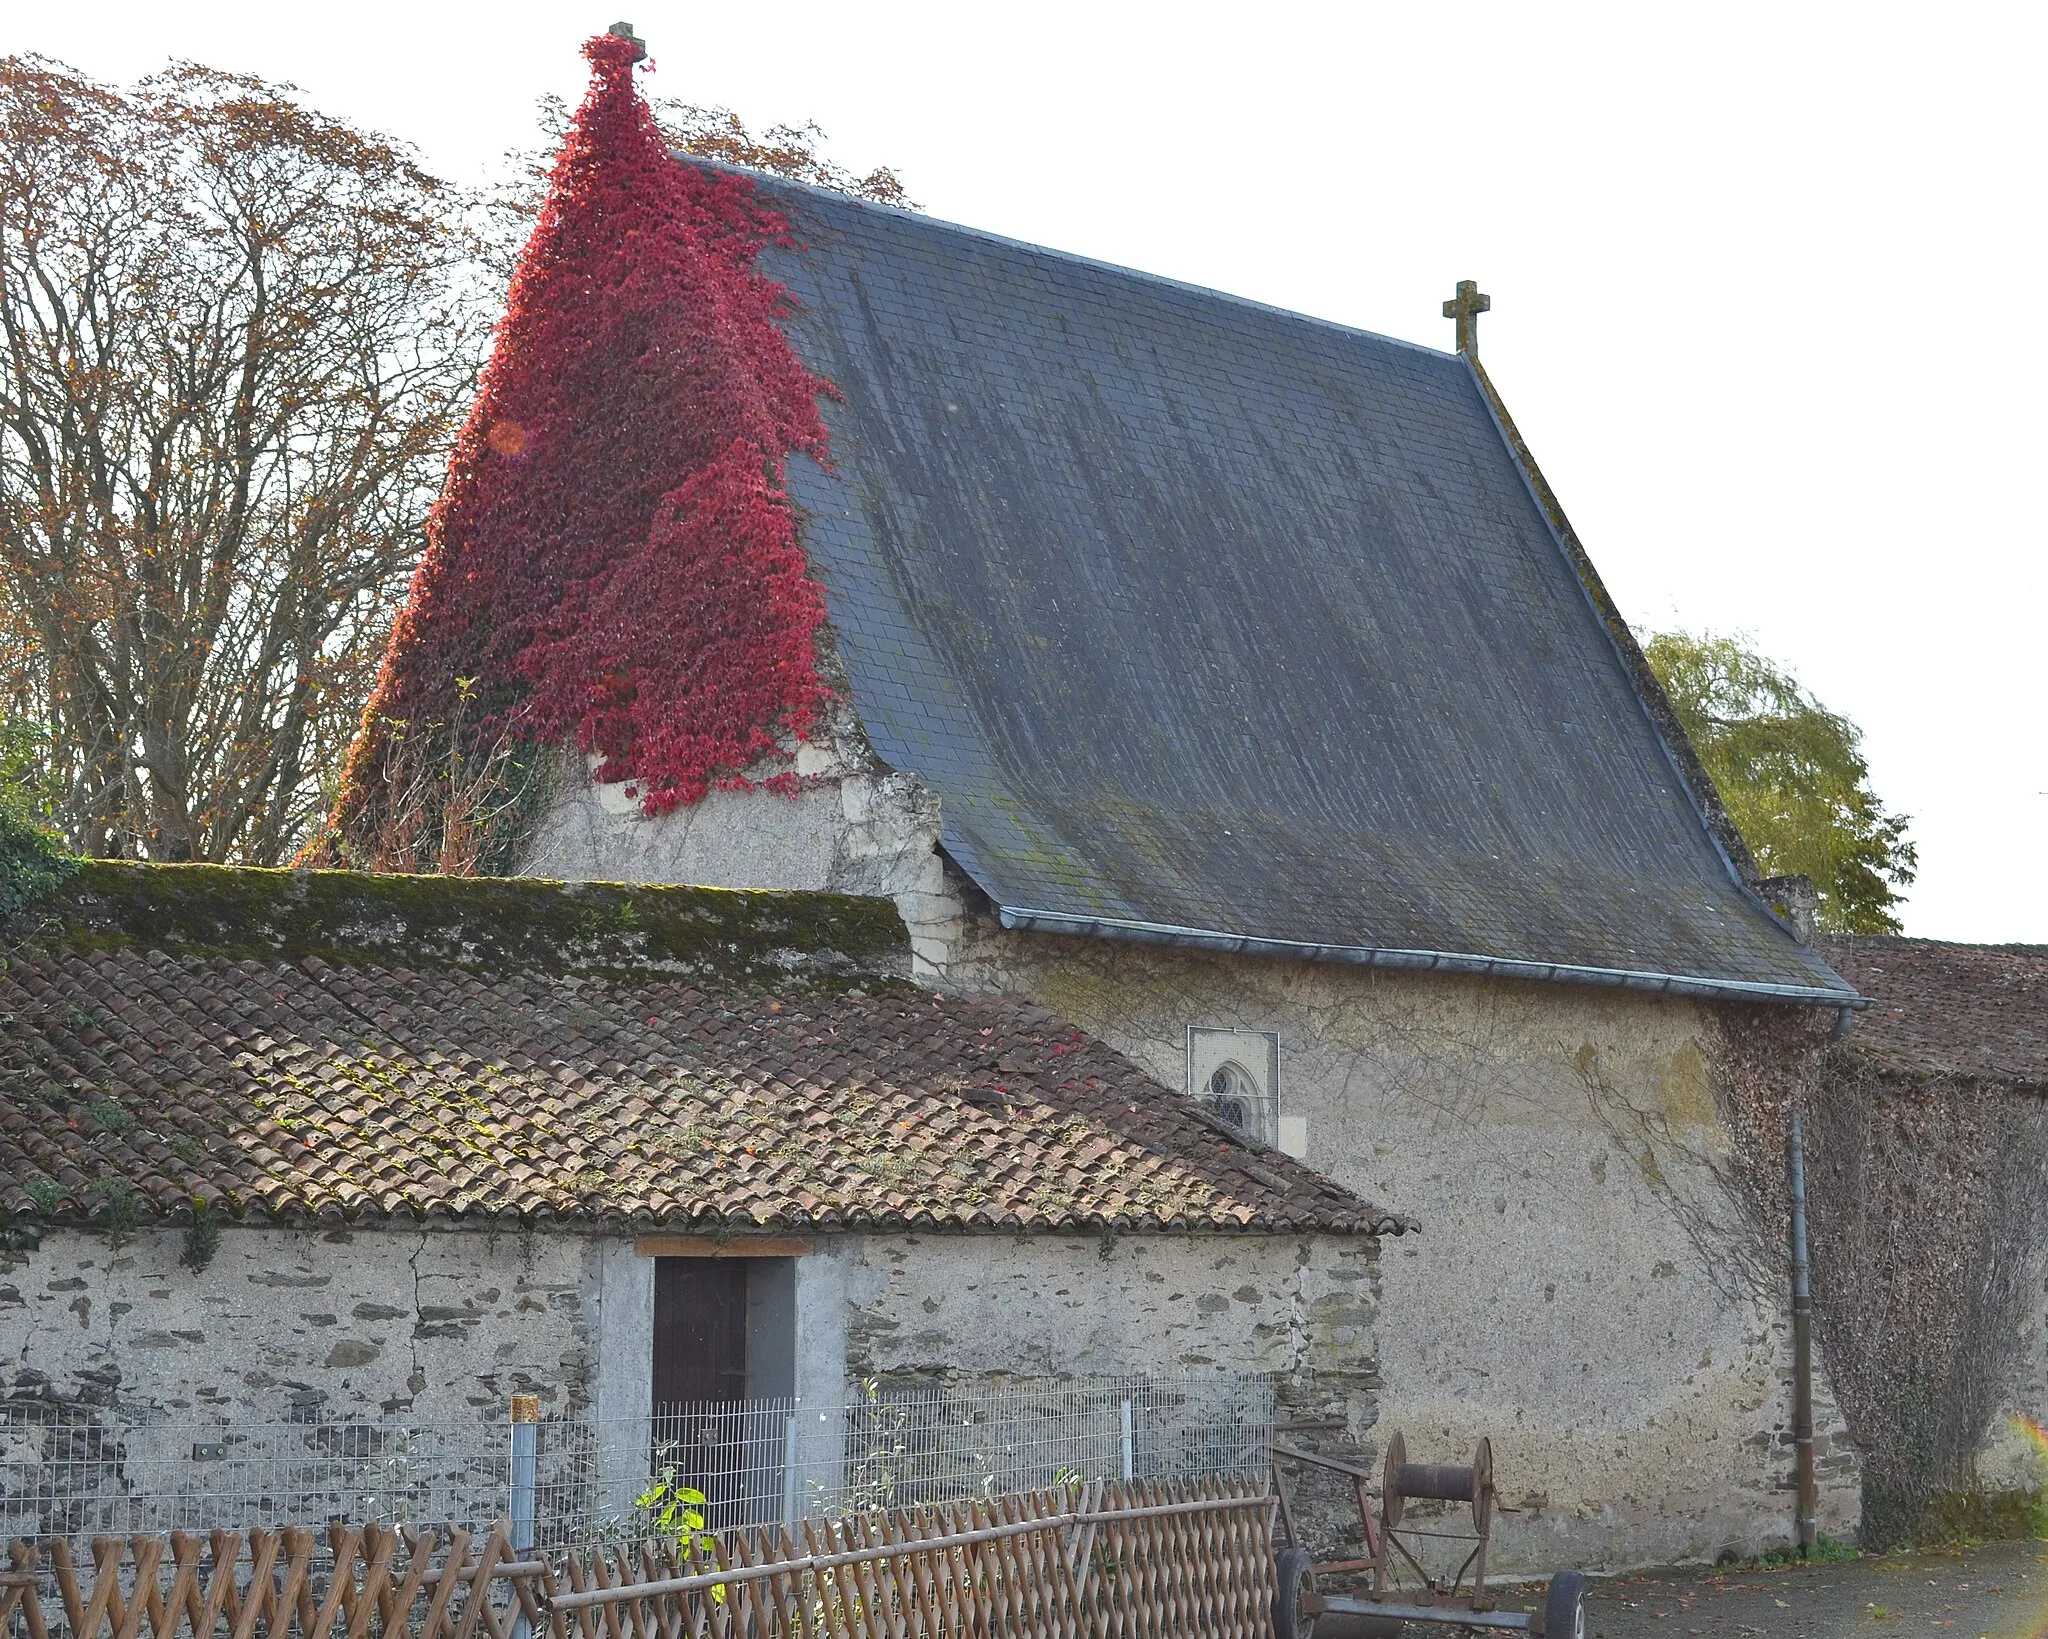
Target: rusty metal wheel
(1295, 1604)
(1390, 1482)
(1482, 1486)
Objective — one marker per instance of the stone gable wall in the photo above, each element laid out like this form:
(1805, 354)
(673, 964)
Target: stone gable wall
(1591, 1286)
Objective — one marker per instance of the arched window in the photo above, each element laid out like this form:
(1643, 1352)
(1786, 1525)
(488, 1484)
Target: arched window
(1234, 1095)
(1235, 1074)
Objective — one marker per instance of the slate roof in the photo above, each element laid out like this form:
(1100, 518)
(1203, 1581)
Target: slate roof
(1215, 623)
(234, 1061)
(1977, 1011)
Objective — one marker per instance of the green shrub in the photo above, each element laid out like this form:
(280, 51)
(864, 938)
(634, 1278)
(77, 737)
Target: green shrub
(1983, 1516)
(32, 857)
(202, 1238)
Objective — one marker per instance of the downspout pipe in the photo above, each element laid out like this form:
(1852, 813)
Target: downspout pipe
(1806, 1520)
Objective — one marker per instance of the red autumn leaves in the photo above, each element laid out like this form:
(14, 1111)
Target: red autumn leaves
(613, 562)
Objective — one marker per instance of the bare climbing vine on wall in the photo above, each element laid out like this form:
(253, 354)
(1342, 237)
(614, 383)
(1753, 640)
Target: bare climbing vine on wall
(1928, 1207)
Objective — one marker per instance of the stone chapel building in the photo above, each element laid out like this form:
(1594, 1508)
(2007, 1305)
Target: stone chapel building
(1231, 683)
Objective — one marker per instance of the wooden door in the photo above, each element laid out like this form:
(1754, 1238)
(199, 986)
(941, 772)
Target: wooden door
(700, 1366)
(700, 1330)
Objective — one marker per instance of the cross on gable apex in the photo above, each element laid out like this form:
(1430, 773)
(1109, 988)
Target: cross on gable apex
(1466, 307)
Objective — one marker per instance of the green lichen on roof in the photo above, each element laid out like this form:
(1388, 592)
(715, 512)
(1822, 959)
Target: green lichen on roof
(179, 1036)
(139, 1084)
(352, 918)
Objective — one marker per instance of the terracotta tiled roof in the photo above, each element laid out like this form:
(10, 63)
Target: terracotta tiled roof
(1939, 1009)
(162, 1070)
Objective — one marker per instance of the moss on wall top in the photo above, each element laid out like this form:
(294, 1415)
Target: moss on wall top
(480, 923)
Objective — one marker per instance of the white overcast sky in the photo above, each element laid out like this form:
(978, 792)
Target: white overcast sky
(1764, 277)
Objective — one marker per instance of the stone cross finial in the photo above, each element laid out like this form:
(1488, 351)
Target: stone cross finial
(624, 31)
(1466, 307)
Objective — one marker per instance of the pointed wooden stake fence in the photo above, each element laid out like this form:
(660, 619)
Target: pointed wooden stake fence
(1130, 1561)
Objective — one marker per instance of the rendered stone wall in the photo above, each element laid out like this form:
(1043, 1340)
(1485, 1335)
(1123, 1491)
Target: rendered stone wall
(1590, 1288)
(855, 827)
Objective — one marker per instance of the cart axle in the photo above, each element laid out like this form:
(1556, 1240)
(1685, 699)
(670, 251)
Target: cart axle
(1460, 1616)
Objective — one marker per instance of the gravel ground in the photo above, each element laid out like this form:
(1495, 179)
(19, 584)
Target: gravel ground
(1997, 1591)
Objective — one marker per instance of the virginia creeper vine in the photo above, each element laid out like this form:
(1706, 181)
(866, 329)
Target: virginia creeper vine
(613, 562)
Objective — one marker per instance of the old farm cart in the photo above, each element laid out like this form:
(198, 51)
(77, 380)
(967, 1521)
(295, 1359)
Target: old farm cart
(1402, 1590)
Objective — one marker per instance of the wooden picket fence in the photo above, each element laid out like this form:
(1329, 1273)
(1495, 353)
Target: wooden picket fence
(1133, 1561)
(379, 1583)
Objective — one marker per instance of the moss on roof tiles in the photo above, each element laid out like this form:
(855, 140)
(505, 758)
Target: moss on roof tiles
(1345, 690)
(179, 1035)
(349, 918)
(1972, 1012)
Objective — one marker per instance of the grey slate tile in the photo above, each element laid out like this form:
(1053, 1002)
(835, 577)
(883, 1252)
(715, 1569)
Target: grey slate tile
(1199, 613)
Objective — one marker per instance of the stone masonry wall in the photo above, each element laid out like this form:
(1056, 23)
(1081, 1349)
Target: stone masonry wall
(290, 1325)
(1074, 1306)
(1300, 1310)
(1590, 1287)
(439, 1327)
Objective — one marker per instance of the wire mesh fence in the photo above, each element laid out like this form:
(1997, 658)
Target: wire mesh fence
(77, 1472)
(67, 1472)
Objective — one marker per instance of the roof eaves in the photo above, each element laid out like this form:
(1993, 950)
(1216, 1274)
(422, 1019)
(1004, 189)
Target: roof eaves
(1428, 961)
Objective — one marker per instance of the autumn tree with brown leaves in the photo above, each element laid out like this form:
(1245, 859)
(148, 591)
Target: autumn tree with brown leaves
(236, 335)
(797, 152)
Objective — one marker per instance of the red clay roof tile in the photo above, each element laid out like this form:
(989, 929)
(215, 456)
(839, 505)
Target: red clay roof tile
(1979, 1011)
(315, 1086)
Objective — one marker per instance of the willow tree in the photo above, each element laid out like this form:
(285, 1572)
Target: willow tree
(235, 334)
(1793, 776)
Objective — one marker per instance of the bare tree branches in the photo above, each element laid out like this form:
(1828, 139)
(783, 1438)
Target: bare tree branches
(794, 151)
(233, 335)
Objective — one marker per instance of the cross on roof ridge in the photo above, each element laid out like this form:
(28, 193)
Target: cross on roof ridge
(1466, 307)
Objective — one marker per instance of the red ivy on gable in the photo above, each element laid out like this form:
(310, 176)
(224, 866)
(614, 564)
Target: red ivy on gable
(613, 561)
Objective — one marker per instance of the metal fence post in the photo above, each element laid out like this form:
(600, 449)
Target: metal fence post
(789, 1473)
(1130, 1448)
(525, 1455)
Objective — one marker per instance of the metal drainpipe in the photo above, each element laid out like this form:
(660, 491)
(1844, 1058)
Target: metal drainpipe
(1802, 1346)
